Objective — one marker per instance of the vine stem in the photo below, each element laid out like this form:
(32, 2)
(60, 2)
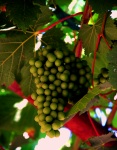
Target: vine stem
(57, 22)
(90, 119)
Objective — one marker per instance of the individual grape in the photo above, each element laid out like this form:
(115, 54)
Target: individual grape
(53, 113)
(38, 64)
(52, 87)
(82, 80)
(60, 107)
(81, 72)
(46, 104)
(53, 106)
(58, 89)
(64, 85)
(55, 100)
(48, 98)
(54, 93)
(40, 98)
(49, 118)
(61, 115)
(34, 96)
(33, 69)
(57, 82)
(46, 72)
(39, 104)
(32, 62)
(40, 111)
(51, 57)
(51, 133)
(49, 64)
(58, 62)
(64, 77)
(59, 54)
(61, 68)
(57, 133)
(47, 92)
(46, 127)
(53, 71)
(67, 59)
(40, 91)
(73, 77)
(36, 80)
(43, 78)
(51, 77)
(56, 125)
(42, 117)
(40, 71)
(36, 118)
(45, 86)
(46, 110)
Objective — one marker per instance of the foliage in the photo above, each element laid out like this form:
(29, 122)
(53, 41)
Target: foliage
(92, 34)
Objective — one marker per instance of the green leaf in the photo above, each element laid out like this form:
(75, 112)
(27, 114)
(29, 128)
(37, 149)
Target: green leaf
(42, 18)
(22, 13)
(7, 111)
(84, 102)
(54, 37)
(27, 82)
(101, 6)
(101, 62)
(15, 49)
(90, 35)
(112, 66)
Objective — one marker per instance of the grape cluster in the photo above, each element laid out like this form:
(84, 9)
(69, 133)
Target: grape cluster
(102, 77)
(58, 76)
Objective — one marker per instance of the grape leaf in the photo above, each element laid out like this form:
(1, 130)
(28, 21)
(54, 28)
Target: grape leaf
(101, 6)
(99, 141)
(27, 83)
(112, 66)
(101, 62)
(15, 49)
(89, 35)
(54, 37)
(42, 18)
(83, 103)
(22, 13)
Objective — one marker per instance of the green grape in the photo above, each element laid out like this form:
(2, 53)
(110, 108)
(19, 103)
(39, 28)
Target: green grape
(33, 69)
(51, 57)
(53, 71)
(53, 106)
(36, 118)
(34, 96)
(46, 104)
(51, 77)
(82, 80)
(71, 85)
(40, 71)
(48, 64)
(40, 98)
(60, 107)
(52, 87)
(51, 133)
(46, 110)
(40, 91)
(64, 77)
(42, 117)
(58, 89)
(36, 80)
(44, 86)
(59, 54)
(46, 72)
(65, 93)
(102, 79)
(61, 68)
(32, 62)
(61, 115)
(47, 91)
(56, 125)
(48, 98)
(53, 113)
(64, 85)
(81, 72)
(57, 133)
(55, 100)
(40, 111)
(58, 62)
(39, 105)
(38, 64)
(67, 59)
(44, 78)
(57, 82)
(49, 118)
(54, 93)
(46, 127)
(45, 52)
(35, 74)
(73, 77)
